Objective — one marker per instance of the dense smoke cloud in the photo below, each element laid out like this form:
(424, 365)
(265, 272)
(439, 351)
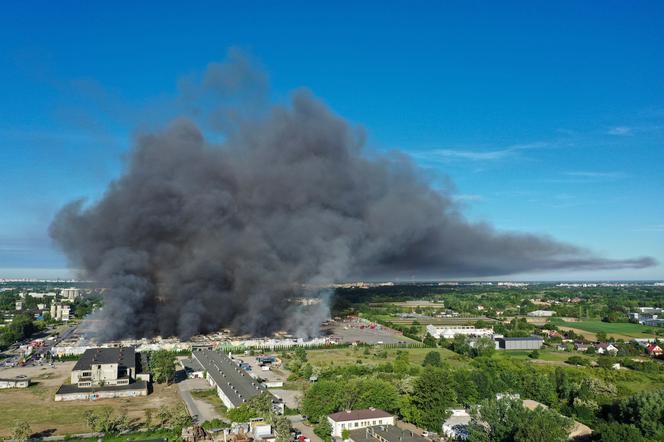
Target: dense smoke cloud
(198, 236)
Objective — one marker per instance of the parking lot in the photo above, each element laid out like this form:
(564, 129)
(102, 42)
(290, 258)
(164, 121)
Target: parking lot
(360, 330)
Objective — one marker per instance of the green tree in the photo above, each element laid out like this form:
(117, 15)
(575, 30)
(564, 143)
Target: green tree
(321, 399)
(433, 393)
(323, 429)
(646, 411)
(433, 359)
(21, 431)
(243, 413)
(543, 425)
(495, 421)
(282, 429)
(507, 420)
(401, 364)
(301, 354)
(345, 434)
(617, 432)
(162, 366)
(307, 371)
(484, 346)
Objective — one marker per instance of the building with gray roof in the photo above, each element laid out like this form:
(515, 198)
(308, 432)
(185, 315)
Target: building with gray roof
(234, 385)
(525, 343)
(384, 433)
(105, 373)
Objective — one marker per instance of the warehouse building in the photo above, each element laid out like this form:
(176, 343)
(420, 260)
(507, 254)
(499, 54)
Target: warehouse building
(450, 331)
(527, 343)
(234, 385)
(541, 313)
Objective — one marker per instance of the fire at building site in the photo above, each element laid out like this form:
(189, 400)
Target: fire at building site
(241, 204)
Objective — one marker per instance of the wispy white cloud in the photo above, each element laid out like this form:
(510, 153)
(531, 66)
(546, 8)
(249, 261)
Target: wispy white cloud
(621, 131)
(586, 177)
(597, 175)
(477, 155)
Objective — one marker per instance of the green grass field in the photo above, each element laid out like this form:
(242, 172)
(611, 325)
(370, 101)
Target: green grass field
(342, 356)
(545, 355)
(616, 329)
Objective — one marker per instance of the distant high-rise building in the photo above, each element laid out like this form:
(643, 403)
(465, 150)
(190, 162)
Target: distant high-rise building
(70, 293)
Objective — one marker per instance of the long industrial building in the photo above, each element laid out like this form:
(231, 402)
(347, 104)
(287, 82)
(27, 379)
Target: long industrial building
(234, 385)
(450, 331)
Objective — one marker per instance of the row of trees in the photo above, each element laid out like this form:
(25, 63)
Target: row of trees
(261, 406)
(423, 396)
(22, 326)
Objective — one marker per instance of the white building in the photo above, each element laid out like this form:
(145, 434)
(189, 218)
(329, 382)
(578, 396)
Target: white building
(541, 313)
(60, 312)
(356, 419)
(449, 331)
(20, 381)
(105, 373)
(41, 295)
(70, 293)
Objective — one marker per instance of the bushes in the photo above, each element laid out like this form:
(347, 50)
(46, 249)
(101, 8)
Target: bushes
(327, 396)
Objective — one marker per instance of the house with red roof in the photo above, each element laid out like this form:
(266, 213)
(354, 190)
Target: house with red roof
(654, 350)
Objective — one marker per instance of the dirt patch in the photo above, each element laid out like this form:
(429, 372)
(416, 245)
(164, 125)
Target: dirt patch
(37, 406)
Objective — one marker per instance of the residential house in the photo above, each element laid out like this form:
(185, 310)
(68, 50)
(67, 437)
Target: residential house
(654, 350)
(580, 346)
(604, 348)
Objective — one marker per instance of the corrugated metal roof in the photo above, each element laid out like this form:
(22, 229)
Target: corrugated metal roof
(234, 382)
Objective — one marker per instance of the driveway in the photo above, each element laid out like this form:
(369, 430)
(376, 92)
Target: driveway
(204, 410)
(297, 422)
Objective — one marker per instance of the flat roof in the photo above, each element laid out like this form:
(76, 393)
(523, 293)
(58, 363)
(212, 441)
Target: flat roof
(388, 433)
(123, 356)
(354, 415)
(233, 381)
(72, 388)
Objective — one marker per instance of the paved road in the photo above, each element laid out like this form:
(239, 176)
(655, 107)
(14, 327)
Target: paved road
(297, 422)
(197, 407)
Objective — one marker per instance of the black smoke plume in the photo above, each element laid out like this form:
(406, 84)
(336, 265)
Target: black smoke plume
(198, 236)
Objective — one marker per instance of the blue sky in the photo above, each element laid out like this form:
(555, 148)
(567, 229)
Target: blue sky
(547, 116)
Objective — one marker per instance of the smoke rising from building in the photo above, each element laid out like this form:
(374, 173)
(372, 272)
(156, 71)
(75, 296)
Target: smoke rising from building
(197, 236)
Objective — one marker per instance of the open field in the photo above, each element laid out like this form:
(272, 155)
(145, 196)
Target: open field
(546, 356)
(37, 406)
(618, 330)
(344, 356)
